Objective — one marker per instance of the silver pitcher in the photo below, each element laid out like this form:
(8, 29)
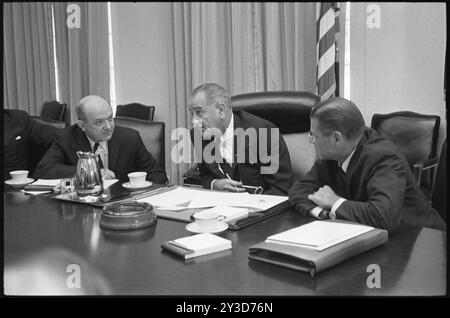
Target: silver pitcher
(88, 179)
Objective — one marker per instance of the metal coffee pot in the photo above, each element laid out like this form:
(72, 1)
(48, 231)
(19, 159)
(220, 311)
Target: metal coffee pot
(88, 178)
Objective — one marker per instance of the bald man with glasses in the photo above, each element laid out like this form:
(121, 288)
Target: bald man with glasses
(121, 149)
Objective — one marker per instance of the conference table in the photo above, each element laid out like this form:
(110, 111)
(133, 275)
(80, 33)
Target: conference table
(55, 235)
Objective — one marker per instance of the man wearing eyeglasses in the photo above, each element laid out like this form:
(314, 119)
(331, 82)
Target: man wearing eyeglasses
(359, 176)
(121, 149)
(237, 163)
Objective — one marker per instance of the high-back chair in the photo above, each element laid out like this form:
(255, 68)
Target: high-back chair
(152, 134)
(136, 110)
(36, 152)
(416, 135)
(289, 111)
(439, 196)
(54, 110)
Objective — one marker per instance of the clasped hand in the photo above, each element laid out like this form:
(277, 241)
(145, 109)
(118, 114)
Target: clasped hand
(324, 198)
(228, 185)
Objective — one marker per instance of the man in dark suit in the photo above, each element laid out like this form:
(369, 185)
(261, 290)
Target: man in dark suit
(239, 151)
(21, 134)
(121, 149)
(359, 176)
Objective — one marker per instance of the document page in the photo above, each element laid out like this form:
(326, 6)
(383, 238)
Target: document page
(319, 235)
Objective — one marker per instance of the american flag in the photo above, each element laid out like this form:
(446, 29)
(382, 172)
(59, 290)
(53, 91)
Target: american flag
(327, 29)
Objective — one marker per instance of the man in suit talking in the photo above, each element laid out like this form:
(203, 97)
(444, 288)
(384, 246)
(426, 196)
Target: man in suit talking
(359, 176)
(121, 149)
(240, 151)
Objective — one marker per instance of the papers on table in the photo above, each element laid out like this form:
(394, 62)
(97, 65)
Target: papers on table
(189, 198)
(319, 235)
(108, 183)
(47, 182)
(173, 199)
(230, 213)
(197, 245)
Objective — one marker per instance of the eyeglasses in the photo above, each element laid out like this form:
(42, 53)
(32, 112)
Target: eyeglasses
(312, 138)
(250, 189)
(101, 122)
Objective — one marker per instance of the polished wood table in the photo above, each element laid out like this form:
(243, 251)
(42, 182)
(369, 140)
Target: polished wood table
(55, 234)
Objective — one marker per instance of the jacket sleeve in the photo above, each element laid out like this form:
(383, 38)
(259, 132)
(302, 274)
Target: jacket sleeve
(298, 194)
(386, 186)
(54, 164)
(280, 180)
(146, 162)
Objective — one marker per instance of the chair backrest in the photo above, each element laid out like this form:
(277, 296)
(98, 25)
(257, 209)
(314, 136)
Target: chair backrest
(415, 134)
(36, 152)
(439, 197)
(152, 134)
(51, 122)
(289, 111)
(136, 110)
(54, 110)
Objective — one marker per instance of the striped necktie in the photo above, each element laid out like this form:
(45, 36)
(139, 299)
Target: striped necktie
(100, 162)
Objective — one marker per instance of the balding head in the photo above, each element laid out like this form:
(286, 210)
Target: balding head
(95, 118)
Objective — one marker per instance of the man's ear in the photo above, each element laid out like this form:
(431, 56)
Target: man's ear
(82, 125)
(221, 110)
(338, 137)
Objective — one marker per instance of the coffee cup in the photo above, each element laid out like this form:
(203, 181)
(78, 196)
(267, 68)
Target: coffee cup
(208, 220)
(137, 178)
(19, 175)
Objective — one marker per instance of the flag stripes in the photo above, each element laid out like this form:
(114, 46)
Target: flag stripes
(327, 26)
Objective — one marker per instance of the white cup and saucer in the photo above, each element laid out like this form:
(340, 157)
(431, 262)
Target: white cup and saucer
(207, 222)
(19, 179)
(137, 181)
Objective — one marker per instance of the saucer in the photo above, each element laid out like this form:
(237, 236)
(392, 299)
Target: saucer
(19, 184)
(145, 185)
(193, 227)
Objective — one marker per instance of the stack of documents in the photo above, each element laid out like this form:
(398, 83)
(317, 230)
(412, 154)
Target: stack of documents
(319, 235)
(197, 245)
(318, 245)
(229, 213)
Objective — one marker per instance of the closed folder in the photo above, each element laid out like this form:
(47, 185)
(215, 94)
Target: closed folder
(313, 261)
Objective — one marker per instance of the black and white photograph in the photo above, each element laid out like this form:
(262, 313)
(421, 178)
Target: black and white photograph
(221, 156)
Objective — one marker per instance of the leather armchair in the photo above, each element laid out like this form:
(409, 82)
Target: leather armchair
(439, 196)
(152, 134)
(136, 110)
(416, 135)
(289, 111)
(54, 110)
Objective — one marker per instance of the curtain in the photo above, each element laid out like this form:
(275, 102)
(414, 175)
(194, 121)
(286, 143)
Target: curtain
(28, 73)
(82, 53)
(245, 47)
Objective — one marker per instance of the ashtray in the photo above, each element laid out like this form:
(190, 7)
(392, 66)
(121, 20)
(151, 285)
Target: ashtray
(129, 215)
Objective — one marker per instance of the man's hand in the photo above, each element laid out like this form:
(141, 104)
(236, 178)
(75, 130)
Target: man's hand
(108, 174)
(324, 197)
(228, 185)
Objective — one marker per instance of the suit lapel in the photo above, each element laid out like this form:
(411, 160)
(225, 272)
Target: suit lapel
(113, 151)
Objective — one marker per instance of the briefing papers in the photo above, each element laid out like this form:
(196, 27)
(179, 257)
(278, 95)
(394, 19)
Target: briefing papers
(188, 198)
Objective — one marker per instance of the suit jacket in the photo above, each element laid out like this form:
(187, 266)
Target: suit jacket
(379, 187)
(24, 140)
(249, 171)
(126, 153)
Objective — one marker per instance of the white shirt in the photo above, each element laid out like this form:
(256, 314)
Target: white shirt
(317, 210)
(226, 142)
(102, 150)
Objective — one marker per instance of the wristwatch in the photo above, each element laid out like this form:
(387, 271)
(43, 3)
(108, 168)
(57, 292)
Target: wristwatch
(325, 214)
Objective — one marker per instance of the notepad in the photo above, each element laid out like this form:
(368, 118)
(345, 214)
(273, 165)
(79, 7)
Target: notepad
(319, 235)
(230, 213)
(197, 245)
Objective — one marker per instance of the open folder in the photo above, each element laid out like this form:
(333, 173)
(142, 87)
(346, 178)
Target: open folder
(332, 248)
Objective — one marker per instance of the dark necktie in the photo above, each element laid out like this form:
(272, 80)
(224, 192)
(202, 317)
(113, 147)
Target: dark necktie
(100, 162)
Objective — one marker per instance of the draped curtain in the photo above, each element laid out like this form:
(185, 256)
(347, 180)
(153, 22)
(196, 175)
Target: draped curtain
(82, 53)
(245, 47)
(28, 73)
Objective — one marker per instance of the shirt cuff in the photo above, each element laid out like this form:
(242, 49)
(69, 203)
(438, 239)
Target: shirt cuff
(314, 212)
(212, 183)
(335, 206)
